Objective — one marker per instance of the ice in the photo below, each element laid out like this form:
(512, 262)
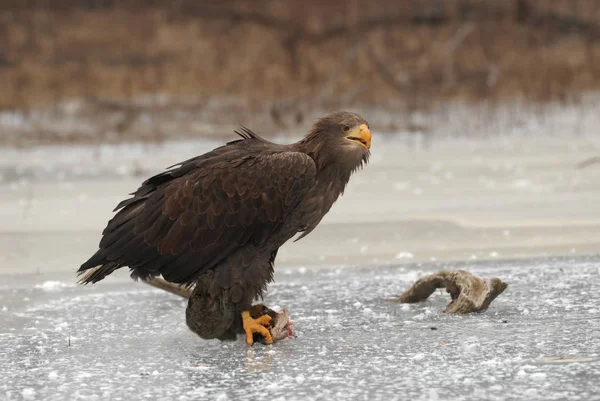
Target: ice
(538, 376)
(523, 183)
(52, 285)
(401, 186)
(28, 393)
(433, 394)
(404, 255)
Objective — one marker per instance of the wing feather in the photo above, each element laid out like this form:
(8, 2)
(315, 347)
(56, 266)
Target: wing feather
(184, 221)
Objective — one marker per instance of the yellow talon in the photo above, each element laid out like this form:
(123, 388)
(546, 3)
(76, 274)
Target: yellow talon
(257, 325)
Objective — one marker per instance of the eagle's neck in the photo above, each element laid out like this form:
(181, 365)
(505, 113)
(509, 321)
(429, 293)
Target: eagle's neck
(331, 165)
(334, 178)
(333, 174)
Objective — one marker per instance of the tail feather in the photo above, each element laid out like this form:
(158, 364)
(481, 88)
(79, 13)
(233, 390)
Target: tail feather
(96, 268)
(96, 260)
(97, 273)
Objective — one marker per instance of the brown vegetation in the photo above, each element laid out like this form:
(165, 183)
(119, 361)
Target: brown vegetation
(282, 60)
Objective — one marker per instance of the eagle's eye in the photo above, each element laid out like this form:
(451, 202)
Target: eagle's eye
(345, 128)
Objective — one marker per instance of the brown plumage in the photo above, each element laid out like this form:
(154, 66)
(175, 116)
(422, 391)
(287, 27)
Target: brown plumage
(220, 217)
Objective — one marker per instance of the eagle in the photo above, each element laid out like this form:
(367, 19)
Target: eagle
(216, 221)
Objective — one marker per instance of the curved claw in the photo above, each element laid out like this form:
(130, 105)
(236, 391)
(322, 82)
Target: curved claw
(257, 325)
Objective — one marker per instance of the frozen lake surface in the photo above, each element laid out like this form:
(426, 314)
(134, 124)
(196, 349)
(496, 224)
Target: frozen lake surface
(120, 341)
(519, 209)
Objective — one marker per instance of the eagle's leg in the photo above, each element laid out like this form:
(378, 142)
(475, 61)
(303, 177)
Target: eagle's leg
(258, 325)
(210, 318)
(214, 316)
(209, 314)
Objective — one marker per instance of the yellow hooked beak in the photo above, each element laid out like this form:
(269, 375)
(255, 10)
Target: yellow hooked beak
(361, 135)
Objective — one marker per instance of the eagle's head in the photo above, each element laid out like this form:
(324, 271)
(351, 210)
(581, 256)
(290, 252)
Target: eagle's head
(342, 138)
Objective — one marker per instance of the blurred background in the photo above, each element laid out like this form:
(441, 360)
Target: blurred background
(97, 71)
(484, 114)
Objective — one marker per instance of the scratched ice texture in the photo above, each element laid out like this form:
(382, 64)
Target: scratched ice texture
(122, 341)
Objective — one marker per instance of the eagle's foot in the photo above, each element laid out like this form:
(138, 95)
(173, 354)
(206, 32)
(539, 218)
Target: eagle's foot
(279, 326)
(259, 325)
